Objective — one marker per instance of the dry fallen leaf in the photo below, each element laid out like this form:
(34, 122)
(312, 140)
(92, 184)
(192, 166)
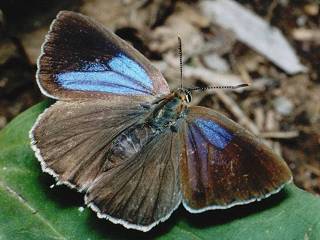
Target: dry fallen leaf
(253, 31)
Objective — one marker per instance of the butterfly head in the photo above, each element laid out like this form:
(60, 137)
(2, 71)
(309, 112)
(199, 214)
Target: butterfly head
(184, 95)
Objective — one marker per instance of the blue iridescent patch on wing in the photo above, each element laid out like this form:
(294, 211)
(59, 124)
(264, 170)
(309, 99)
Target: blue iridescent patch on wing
(119, 75)
(127, 67)
(214, 133)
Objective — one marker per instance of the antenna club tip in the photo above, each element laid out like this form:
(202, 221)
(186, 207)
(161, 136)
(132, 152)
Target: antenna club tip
(244, 85)
(241, 85)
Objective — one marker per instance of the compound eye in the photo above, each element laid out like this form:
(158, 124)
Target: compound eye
(188, 97)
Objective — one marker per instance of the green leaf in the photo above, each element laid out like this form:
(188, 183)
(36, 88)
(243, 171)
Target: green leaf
(30, 209)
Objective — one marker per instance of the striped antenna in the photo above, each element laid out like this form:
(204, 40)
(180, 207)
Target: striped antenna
(218, 87)
(181, 62)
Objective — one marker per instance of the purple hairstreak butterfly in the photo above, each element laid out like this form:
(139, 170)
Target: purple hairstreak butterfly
(136, 149)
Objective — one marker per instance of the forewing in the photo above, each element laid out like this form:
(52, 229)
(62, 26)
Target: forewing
(143, 190)
(82, 59)
(71, 139)
(223, 165)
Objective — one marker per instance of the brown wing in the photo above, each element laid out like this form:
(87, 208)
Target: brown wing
(82, 59)
(71, 139)
(224, 165)
(74, 140)
(143, 190)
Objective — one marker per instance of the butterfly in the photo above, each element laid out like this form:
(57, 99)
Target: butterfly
(136, 149)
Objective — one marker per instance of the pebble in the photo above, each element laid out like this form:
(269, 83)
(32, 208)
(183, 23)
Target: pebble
(283, 105)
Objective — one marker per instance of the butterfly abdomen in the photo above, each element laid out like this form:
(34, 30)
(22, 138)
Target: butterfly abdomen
(128, 144)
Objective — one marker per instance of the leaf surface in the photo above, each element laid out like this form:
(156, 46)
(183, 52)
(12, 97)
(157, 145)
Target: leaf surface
(30, 209)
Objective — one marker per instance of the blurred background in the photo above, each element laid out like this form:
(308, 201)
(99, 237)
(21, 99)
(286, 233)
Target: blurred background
(273, 45)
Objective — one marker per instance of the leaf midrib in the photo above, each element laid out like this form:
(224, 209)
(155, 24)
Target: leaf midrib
(11, 192)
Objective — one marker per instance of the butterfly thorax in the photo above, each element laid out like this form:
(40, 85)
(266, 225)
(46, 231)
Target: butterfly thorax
(169, 110)
(164, 116)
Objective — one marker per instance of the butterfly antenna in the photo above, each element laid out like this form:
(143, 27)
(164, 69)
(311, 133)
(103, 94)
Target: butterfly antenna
(181, 62)
(218, 87)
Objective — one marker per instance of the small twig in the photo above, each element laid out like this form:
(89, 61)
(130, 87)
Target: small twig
(303, 34)
(271, 8)
(279, 135)
(270, 121)
(21, 49)
(259, 117)
(276, 147)
(237, 112)
(313, 169)
(244, 73)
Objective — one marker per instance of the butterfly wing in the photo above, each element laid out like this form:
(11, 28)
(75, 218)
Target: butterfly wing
(142, 190)
(71, 138)
(108, 82)
(223, 165)
(82, 59)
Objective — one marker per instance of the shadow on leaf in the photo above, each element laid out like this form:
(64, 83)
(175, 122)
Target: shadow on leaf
(223, 216)
(203, 220)
(67, 197)
(61, 194)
